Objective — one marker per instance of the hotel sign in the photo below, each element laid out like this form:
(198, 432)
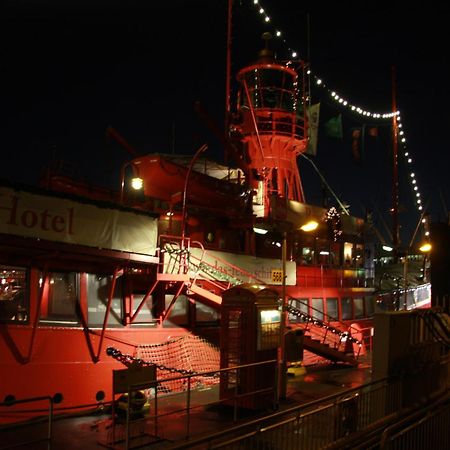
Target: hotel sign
(56, 219)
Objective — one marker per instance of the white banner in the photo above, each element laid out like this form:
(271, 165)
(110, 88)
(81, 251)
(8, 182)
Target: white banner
(56, 219)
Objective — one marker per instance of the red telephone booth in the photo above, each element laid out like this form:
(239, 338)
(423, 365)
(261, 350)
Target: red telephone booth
(250, 333)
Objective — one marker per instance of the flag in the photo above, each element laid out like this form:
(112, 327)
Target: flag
(313, 128)
(357, 144)
(372, 131)
(333, 128)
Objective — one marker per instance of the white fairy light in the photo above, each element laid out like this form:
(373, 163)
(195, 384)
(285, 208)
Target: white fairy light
(350, 105)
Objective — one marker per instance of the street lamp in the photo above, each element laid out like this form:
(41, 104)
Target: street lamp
(137, 183)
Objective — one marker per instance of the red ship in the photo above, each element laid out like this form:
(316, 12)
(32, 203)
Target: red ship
(143, 271)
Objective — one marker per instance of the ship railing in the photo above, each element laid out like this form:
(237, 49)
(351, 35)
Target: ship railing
(9, 404)
(338, 280)
(322, 423)
(194, 399)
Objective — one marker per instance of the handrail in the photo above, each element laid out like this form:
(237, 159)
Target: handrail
(50, 400)
(257, 424)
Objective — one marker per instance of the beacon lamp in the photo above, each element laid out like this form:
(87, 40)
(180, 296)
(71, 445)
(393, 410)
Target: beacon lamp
(309, 226)
(137, 183)
(425, 248)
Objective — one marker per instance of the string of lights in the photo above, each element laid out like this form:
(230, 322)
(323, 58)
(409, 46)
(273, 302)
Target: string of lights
(343, 102)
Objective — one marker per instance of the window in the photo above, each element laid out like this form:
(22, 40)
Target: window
(317, 308)
(332, 308)
(302, 305)
(61, 302)
(358, 304)
(98, 289)
(145, 314)
(14, 299)
(205, 314)
(346, 305)
(179, 313)
(368, 301)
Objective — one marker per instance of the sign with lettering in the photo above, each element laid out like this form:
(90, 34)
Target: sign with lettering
(27, 214)
(243, 268)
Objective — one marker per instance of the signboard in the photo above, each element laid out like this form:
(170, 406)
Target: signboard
(245, 268)
(40, 216)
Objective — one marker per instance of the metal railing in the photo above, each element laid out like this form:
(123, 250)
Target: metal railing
(313, 425)
(170, 407)
(47, 438)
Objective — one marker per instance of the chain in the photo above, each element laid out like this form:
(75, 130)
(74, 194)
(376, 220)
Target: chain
(128, 360)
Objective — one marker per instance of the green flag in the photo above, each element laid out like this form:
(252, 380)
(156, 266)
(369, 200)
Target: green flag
(333, 128)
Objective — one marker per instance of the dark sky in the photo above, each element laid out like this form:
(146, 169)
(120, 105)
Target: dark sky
(71, 68)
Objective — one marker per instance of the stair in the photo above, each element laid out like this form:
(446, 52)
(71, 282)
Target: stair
(325, 351)
(205, 295)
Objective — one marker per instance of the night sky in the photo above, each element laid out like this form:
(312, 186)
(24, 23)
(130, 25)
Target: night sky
(71, 69)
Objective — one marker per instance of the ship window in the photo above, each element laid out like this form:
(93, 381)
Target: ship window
(346, 305)
(179, 313)
(98, 290)
(205, 314)
(368, 302)
(317, 308)
(61, 303)
(145, 314)
(332, 308)
(358, 304)
(301, 304)
(14, 299)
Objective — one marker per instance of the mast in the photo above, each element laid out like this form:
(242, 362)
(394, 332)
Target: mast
(395, 227)
(228, 69)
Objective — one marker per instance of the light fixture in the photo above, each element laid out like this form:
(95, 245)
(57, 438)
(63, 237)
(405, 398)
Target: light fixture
(387, 248)
(260, 230)
(309, 226)
(425, 248)
(137, 183)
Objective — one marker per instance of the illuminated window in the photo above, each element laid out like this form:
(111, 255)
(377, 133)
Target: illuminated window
(332, 308)
(317, 308)
(61, 302)
(359, 307)
(302, 305)
(14, 299)
(98, 289)
(346, 306)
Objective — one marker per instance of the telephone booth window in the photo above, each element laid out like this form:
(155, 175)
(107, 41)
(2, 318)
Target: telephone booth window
(98, 289)
(269, 329)
(317, 308)
(332, 308)
(14, 299)
(62, 298)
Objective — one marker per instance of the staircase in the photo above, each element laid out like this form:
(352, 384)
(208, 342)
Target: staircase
(325, 340)
(204, 282)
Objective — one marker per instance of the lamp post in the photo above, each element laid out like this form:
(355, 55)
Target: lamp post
(136, 182)
(282, 344)
(186, 181)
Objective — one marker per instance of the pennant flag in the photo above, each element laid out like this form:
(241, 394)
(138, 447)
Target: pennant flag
(333, 128)
(373, 131)
(357, 144)
(313, 128)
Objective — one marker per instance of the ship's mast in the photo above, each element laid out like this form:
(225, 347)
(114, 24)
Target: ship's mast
(395, 226)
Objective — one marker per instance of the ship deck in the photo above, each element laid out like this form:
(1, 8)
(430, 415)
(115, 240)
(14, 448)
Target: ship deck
(93, 430)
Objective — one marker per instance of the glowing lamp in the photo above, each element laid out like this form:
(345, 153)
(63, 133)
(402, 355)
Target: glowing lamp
(425, 248)
(387, 248)
(260, 230)
(137, 183)
(309, 226)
